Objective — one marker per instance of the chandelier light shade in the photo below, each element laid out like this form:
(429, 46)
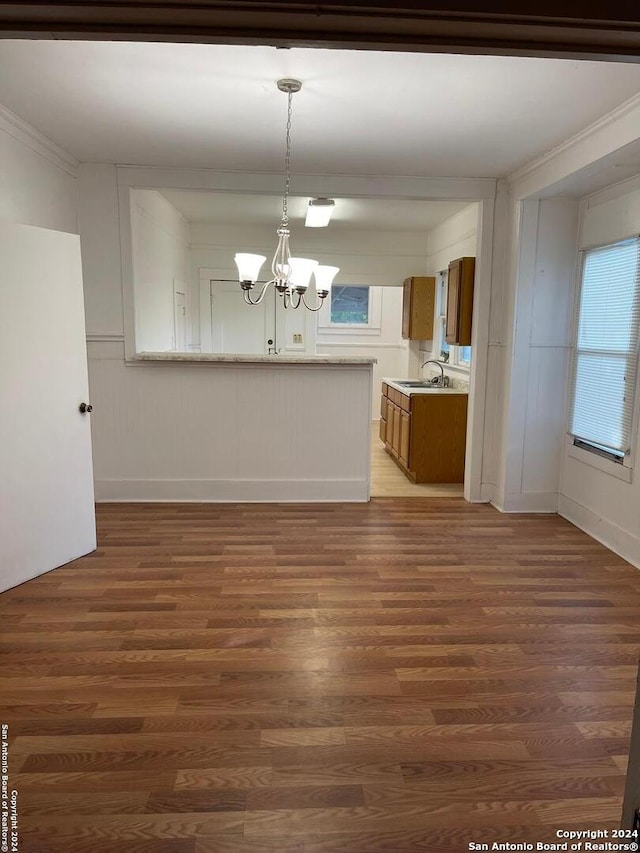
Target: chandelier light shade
(319, 212)
(249, 266)
(324, 277)
(290, 276)
(301, 270)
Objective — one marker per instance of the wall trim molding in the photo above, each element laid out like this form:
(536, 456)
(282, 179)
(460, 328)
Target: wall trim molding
(618, 540)
(243, 491)
(366, 186)
(21, 130)
(360, 344)
(591, 130)
(530, 502)
(93, 337)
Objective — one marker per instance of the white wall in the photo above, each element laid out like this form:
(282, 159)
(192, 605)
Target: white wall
(38, 178)
(98, 222)
(592, 493)
(383, 341)
(160, 248)
(456, 237)
(233, 448)
(536, 389)
(381, 259)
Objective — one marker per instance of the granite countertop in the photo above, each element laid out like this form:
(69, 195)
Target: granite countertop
(395, 383)
(238, 358)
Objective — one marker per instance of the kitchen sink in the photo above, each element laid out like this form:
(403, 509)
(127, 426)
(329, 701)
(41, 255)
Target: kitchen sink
(420, 384)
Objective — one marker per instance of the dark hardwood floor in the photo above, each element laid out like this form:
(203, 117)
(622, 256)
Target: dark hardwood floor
(405, 675)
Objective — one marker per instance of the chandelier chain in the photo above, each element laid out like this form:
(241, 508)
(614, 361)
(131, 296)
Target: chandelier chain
(287, 165)
(290, 276)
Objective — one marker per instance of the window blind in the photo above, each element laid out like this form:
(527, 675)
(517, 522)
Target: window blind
(605, 359)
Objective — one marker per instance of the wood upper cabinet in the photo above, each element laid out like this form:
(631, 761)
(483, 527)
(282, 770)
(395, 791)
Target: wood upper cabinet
(460, 301)
(418, 307)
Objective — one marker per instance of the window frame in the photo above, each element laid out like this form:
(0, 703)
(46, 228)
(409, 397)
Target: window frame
(373, 327)
(350, 325)
(577, 448)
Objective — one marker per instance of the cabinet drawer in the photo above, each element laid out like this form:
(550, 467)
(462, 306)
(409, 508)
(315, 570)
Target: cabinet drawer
(383, 406)
(385, 389)
(394, 396)
(405, 402)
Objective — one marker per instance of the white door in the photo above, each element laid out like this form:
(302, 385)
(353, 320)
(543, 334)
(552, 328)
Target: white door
(240, 328)
(46, 478)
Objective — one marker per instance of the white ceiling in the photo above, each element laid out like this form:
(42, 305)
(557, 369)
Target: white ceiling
(362, 213)
(359, 113)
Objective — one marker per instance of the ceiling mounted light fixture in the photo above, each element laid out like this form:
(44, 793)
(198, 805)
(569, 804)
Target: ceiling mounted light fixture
(319, 212)
(290, 276)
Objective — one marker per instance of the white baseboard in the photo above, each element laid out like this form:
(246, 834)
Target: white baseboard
(615, 538)
(231, 491)
(529, 502)
(487, 493)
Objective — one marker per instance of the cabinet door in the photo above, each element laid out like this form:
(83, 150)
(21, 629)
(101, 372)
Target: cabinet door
(406, 309)
(395, 438)
(418, 307)
(453, 302)
(465, 302)
(383, 429)
(405, 438)
(389, 419)
(460, 301)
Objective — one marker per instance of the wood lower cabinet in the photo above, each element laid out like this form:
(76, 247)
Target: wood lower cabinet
(405, 438)
(425, 434)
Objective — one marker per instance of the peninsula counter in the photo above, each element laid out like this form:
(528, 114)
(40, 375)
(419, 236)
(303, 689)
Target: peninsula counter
(208, 427)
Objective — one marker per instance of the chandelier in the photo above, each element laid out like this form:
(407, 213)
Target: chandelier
(290, 276)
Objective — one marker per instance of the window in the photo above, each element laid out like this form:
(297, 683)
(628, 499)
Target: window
(603, 377)
(350, 304)
(451, 354)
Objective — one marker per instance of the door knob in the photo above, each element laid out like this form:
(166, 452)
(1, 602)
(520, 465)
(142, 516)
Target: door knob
(85, 408)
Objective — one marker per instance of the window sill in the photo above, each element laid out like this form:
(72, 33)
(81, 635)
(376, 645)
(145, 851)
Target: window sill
(346, 329)
(614, 469)
(457, 368)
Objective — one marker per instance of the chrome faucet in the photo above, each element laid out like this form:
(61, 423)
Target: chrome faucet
(443, 381)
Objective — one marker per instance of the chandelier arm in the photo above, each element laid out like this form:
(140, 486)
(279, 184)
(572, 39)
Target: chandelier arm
(309, 308)
(296, 304)
(250, 301)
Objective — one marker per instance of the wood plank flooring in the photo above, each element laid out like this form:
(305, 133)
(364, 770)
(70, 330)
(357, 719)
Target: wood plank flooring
(408, 675)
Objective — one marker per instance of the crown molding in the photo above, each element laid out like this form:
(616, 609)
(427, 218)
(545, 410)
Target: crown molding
(38, 142)
(583, 135)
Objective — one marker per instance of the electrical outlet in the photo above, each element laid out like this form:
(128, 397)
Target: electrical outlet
(297, 339)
